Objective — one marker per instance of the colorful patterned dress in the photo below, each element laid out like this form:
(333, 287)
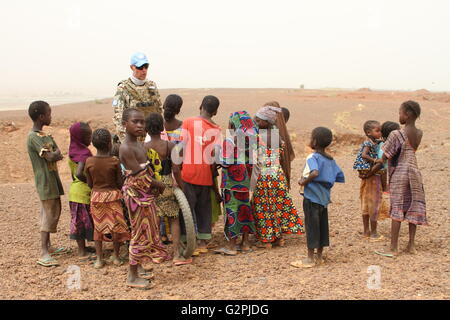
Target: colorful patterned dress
(273, 208)
(235, 193)
(236, 174)
(106, 206)
(166, 203)
(174, 135)
(108, 216)
(145, 244)
(361, 164)
(405, 181)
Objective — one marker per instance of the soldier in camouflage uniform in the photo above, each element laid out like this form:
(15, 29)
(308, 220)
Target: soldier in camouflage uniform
(135, 92)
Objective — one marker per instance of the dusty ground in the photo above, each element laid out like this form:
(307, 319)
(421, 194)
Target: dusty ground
(261, 274)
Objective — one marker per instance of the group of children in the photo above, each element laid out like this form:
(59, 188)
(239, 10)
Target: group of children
(125, 193)
(387, 164)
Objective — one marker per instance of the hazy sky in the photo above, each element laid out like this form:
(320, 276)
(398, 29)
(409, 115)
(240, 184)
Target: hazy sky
(84, 46)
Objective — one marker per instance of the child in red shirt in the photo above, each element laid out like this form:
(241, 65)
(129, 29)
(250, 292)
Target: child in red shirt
(200, 136)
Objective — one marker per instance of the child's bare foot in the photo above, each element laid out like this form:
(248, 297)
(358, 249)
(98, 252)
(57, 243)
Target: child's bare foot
(139, 283)
(145, 274)
(304, 263)
(319, 260)
(263, 245)
(82, 252)
(411, 249)
(226, 251)
(280, 242)
(99, 264)
(245, 247)
(116, 261)
(146, 267)
(211, 245)
(87, 256)
(202, 246)
(376, 237)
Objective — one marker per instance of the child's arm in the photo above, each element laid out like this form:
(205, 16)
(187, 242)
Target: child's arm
(88, 178)
(365, 155)
(373, 170)
(56, 154)
(312, 175)
(119, 176)
(310, 172)
(128, 158)
(215, 187)
(80, 172)
(340, 178)
(36, 143)
(176, 170)
(52, 156)
(147, 145)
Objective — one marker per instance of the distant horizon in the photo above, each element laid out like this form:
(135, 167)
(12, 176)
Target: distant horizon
(70, 98)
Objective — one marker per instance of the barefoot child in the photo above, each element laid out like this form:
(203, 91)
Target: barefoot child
(370, 189)
(81, 224)
(104, 176)
(405, 180)
(323, 173)
(140, 190)
(272, 205)
(44, 153)
(159, 154)
(381, 169)
(235, 184)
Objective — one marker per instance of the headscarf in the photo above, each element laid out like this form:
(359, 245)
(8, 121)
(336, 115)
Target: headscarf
(244, 128)
(243, 122)
(78, 152)
(274, 116)
(268, 113)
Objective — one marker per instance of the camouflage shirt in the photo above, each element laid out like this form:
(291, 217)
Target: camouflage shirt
(128, 95)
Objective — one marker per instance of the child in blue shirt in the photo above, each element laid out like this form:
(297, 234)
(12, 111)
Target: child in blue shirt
(323, 173)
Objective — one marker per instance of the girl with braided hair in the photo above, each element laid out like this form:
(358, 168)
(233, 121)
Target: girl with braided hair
(104, 176)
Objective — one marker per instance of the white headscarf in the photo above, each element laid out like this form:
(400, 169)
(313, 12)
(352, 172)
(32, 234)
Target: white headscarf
(268, 113)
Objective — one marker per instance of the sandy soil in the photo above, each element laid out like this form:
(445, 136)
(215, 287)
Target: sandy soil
(261, 274)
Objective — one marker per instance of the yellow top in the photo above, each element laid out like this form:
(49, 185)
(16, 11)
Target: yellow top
(79, 190)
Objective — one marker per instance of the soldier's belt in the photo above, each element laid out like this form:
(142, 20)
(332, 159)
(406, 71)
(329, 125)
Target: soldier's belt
(144, 104)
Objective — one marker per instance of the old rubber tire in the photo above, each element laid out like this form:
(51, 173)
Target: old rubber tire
(191, 238)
